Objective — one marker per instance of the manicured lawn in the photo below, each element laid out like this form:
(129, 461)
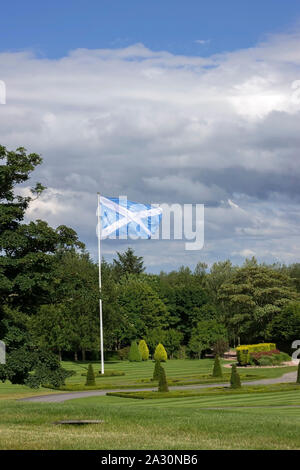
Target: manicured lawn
(180, 372)
(139, 375)
(209, 420)
(11, 392)
(137, 371)
(182, 423)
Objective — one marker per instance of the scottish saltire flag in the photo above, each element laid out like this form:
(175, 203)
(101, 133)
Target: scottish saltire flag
(120, 218)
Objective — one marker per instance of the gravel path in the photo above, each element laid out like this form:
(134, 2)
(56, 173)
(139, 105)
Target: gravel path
(61, 397)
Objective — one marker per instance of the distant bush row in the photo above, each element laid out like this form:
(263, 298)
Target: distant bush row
(140, 352)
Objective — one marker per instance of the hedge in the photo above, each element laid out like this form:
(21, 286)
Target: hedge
(206, 392)
(243, 352)
(107, 373)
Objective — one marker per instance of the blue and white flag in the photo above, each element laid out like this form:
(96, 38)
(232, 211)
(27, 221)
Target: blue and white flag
(120, 218)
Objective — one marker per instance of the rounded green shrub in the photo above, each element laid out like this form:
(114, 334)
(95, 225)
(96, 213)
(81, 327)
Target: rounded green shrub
(160, 353)
(134, 353)
(266, 361)
(283, 357)
(123, 353)
(298, 374)
(162, 381)
(276, 359)
(235, 381)
(144, 350)
(90, 376)
(217, 370)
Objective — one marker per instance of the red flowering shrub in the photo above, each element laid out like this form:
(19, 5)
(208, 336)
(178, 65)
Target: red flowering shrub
(258, 355)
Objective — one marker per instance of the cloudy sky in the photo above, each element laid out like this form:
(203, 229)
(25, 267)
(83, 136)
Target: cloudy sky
(193, 109)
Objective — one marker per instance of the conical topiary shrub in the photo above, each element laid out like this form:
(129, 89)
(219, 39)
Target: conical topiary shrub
(298, 375)
(235, 381)
(162, 381)
(160, 353)
(217, 370)
(144, 350)
(238, 380)
(134, 353)
(90, 376)
(156, 371)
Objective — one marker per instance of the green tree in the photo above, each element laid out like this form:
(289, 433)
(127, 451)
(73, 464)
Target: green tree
(253, 297)
(154, 337)
(134, 353)
(51, 328)
(77, 291)
(190, 300)
(14, 328)
(144, 350)
(26, 250)
(90, 376)
(217, 370)
(298, 374)
(285, 326)
(200, 272)
(220, 346)
(196, 347)
(26, 259)
(160, 353)
(220, 273)
(128, 263)
(185, 298)
(293, 271)
(172, 341)
(205, 335)
(33, 368)
(140, 307)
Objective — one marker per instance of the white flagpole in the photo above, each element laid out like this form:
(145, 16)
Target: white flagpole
(100, 300)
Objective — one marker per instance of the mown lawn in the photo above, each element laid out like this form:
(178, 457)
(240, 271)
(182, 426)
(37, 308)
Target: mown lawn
(228, 421)
(178, 371)
(13, 392)
(139, 375)
(184, 423)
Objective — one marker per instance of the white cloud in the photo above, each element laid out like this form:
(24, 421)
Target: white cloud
(232, 204)
(161, 127)
(245, 253)
(202, 41)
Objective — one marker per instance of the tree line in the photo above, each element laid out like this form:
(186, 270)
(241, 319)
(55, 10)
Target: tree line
(49, 294)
